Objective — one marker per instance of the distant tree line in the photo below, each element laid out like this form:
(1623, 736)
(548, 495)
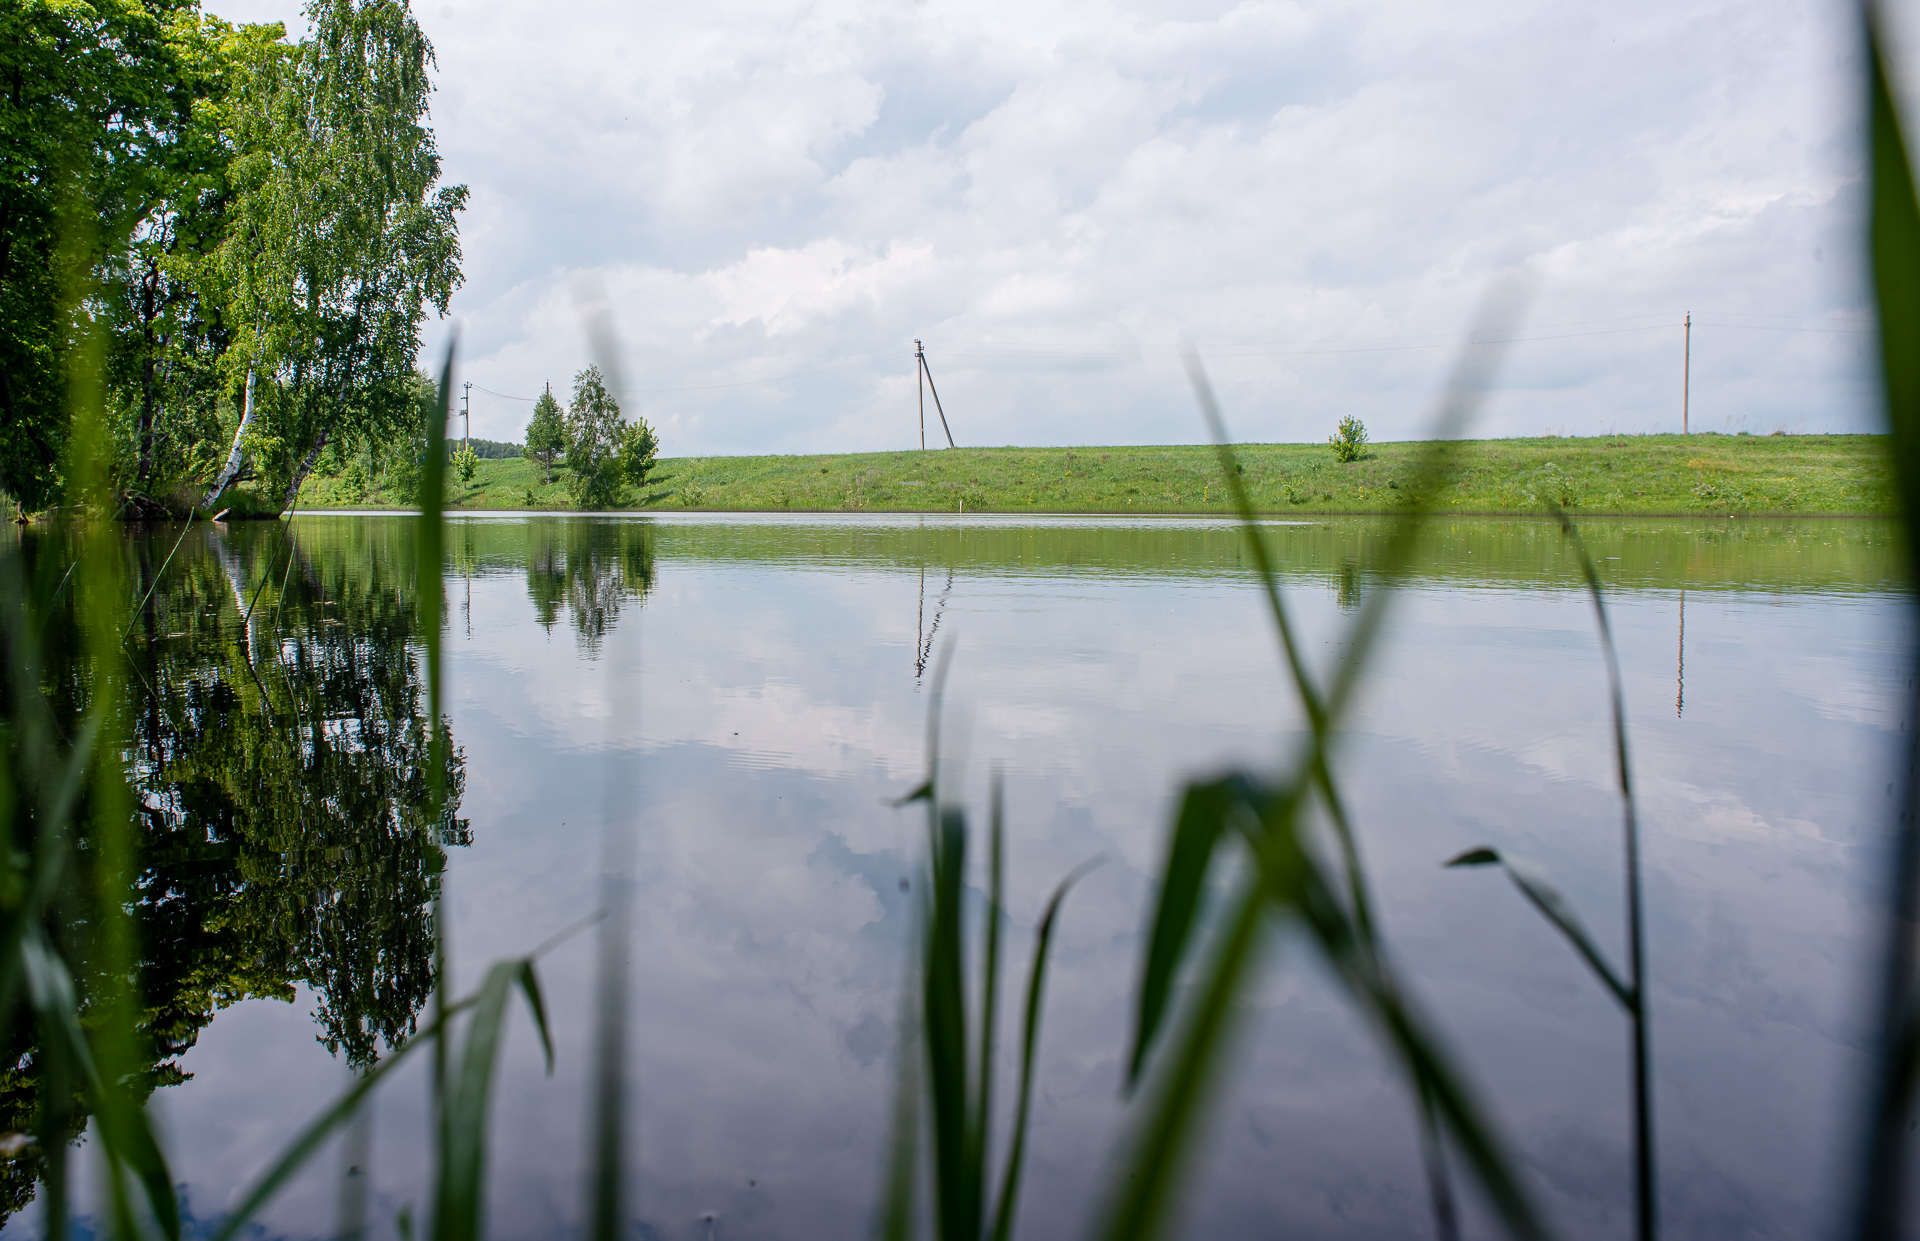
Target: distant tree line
(495, 450)
(227, 239)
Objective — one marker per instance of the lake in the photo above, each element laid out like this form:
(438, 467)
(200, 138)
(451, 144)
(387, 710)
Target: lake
(746, 697)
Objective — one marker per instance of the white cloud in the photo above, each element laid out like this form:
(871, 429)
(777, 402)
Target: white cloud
(778, 197)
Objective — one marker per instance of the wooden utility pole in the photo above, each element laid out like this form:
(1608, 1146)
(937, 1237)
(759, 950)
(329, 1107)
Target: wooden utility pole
(920, 382)
(466, 412)
(926, 373)
(1686, 375)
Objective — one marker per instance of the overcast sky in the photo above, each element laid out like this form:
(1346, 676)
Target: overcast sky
(776, 197)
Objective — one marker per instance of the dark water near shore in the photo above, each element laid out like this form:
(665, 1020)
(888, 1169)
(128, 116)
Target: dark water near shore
(744, 695)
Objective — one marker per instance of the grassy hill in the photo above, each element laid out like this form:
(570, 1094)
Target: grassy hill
(1706, 473)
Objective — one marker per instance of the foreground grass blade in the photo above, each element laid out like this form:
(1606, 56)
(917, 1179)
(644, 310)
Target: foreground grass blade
(428, 608)
(1296, 884)
(1536, 887)
(1645, 1192)
(1196, 832)
(1029, 1043)
(1895, 262)
(1143, 1196)
(903, 1144)
(1147, 1180)
(990, 981)
(461, 1196)
(322, 1127)
(956, 1181)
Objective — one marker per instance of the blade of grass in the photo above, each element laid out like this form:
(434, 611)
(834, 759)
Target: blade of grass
(126, 1139)
(1029, 1043)
(1894, 259)
(460, 1197)
(1141, 1201)
(1539, 889)
(322, 1127)
(1294, 883)
(1196, 832)
(903, 1147)
(428, 605)
(956, 1190)
(990, 984)
(1646, 1192)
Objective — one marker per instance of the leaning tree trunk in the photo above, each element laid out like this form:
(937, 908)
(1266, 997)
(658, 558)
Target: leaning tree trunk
(305, 468)
(224, 479)
(149, 311)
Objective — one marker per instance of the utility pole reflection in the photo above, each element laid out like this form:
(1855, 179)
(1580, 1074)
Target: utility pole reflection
(923, 642)
(1680, 675)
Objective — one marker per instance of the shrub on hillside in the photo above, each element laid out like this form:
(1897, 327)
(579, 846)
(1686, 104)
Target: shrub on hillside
(1350, 440)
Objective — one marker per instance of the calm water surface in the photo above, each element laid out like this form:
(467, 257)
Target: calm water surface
(745, 696)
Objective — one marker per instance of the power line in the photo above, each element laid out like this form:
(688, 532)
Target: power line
(503, 396)
(1408, 343)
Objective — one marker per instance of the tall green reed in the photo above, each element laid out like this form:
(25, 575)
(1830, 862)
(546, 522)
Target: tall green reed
(1894, 261)
(947, 1055)
(1629, 991)
(1284, 878)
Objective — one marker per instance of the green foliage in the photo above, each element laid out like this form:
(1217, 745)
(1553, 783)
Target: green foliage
(465, 463)
(99, 129)
(590, 570)
(955, 1056)
(1350, 441)
(340, 239)
(596, 437)
(1653, 474)
(494, 450)
(546, 434)
(638, 448)
(1894, 236)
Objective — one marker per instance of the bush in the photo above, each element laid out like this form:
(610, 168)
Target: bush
(1349, 440)
(466, 462)
(638, 448)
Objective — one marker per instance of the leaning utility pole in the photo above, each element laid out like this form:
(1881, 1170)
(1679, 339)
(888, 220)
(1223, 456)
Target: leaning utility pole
(920, 357)
(1686, 374)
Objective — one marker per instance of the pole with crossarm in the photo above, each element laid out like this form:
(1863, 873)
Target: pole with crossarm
(926, 373)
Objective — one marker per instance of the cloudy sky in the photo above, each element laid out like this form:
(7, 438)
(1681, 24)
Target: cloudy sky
(776, 197)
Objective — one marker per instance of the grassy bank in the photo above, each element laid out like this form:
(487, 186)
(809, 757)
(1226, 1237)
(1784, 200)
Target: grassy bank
(1701, 474)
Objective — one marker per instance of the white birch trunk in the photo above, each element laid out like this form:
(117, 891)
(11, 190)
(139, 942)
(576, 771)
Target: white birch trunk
(232, 467)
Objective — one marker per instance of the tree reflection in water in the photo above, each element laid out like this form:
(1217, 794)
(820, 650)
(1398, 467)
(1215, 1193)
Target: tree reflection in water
(279, 767)
(592, 568)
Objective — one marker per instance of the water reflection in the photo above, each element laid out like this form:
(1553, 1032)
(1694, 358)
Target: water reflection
(591, 569)
(923, 632)
(1104, 661)
(279, 757)
(1680, 664)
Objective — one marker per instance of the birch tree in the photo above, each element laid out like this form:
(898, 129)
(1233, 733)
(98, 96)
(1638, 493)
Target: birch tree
(340, 242)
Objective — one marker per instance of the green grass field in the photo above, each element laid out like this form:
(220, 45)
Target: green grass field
(1705, 474)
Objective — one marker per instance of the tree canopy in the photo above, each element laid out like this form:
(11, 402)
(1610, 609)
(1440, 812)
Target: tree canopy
(596, 434)
(242, 233)
(546, 433)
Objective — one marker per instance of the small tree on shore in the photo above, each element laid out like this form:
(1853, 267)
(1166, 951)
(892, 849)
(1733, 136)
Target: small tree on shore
(638, 448)
(547, 433)
(596, 436)
(1350, 440)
